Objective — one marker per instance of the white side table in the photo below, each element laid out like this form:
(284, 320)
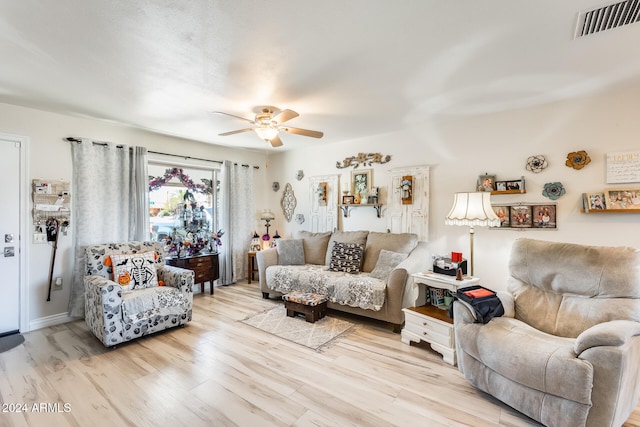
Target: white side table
(432, 324)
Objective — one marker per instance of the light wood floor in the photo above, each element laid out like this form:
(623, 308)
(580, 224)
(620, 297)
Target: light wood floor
(219, 371)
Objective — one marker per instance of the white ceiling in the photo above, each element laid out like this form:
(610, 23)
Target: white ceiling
(351, 68)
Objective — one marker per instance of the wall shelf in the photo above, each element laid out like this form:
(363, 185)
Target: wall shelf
(589, 209)
(597, 211)
(345, 208)
(509, 192)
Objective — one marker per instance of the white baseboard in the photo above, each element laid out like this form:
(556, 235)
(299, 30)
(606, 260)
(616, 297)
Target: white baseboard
(47, 321)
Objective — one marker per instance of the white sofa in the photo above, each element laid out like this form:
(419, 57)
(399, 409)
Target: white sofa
(380, 290)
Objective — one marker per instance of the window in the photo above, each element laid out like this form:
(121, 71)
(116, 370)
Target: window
(183, 202)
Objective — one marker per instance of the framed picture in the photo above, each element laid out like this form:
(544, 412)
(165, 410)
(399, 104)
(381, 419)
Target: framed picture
(596, 201)
(513, 185)
(348, 200)
(544, 216)
(627, 198)
(520, 217)
(504, 214)
(501, 185)
(486, 183)
(361, 181)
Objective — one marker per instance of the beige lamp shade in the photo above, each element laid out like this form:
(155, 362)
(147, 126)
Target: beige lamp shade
(472, 209)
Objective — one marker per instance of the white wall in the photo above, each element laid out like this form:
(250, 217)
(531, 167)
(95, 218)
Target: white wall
(49, 156)
(458, 149)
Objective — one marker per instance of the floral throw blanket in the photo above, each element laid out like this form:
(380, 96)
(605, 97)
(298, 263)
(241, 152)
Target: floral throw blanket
(355, 290)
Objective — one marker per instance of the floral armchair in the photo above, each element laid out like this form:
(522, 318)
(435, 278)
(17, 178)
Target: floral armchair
(149, 297)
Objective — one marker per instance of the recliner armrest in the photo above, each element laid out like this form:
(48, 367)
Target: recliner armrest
(463, 312)
(614, 333)
(508, 303)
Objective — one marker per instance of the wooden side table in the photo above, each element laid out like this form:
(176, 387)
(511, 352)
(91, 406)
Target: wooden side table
(205, 267)
(432, 324)
(252, 265)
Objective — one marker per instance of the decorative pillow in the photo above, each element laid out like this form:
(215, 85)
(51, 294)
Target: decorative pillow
(395, 242)
(387, 261)
(290, 252)
(346, 257)
(135, 271)
(315, 246)
(344, 237)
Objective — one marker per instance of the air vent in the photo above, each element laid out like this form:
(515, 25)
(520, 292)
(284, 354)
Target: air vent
(608, 17)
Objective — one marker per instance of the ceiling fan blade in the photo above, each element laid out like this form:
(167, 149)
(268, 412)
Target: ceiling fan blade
(276, 141)
(305, 132)
(233, 132)
(233, 115)
(285, 115)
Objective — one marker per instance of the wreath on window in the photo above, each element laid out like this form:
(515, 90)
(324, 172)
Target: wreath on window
(156, 182)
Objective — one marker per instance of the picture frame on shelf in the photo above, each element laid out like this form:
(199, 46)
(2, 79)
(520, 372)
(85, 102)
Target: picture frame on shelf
(513, 184)
(361, 181)
(348, 200)
(623, 198)
(544, 216)
(486, 183)
(596, 201)
(509, 186)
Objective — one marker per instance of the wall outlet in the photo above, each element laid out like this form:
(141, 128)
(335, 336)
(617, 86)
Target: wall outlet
(39, 238)
(57, 284)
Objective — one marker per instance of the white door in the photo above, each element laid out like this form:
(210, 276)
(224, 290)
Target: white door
(10, 235)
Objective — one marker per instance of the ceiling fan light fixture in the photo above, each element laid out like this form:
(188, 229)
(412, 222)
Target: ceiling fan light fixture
(267, 133)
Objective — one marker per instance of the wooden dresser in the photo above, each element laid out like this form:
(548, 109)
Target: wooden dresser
(205, 267)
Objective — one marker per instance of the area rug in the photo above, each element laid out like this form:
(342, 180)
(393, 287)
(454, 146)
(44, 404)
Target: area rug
(10, 341)
(296, 329)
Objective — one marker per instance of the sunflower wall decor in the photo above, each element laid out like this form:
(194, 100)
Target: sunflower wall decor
(577, 160)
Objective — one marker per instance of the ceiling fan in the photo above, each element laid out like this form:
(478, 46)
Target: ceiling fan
(268, 124)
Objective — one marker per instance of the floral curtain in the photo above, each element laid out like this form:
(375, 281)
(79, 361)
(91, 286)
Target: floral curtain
(110, 202)
(238, 218)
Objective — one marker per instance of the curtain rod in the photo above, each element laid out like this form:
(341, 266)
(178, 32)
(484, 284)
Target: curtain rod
(71, 139)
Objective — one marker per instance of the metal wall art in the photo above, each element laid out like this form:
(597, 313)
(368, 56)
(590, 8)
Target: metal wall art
(288, 202)
(363, 159)
(553, 190)
(578, 159)
(537, 163)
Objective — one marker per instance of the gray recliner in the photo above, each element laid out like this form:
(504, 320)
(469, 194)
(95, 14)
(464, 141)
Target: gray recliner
(567, 350)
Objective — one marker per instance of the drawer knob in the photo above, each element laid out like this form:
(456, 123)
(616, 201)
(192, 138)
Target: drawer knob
(424, 323)
(424, 333)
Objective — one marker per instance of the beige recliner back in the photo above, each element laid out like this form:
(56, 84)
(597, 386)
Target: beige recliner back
(563, 288)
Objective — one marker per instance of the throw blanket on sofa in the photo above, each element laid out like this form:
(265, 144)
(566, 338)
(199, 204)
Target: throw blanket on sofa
(355, 290)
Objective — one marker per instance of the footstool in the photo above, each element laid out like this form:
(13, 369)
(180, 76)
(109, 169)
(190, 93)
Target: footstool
(313, 306)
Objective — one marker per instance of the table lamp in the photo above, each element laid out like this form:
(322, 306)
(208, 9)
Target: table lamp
(472, 209)
(266, 216)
